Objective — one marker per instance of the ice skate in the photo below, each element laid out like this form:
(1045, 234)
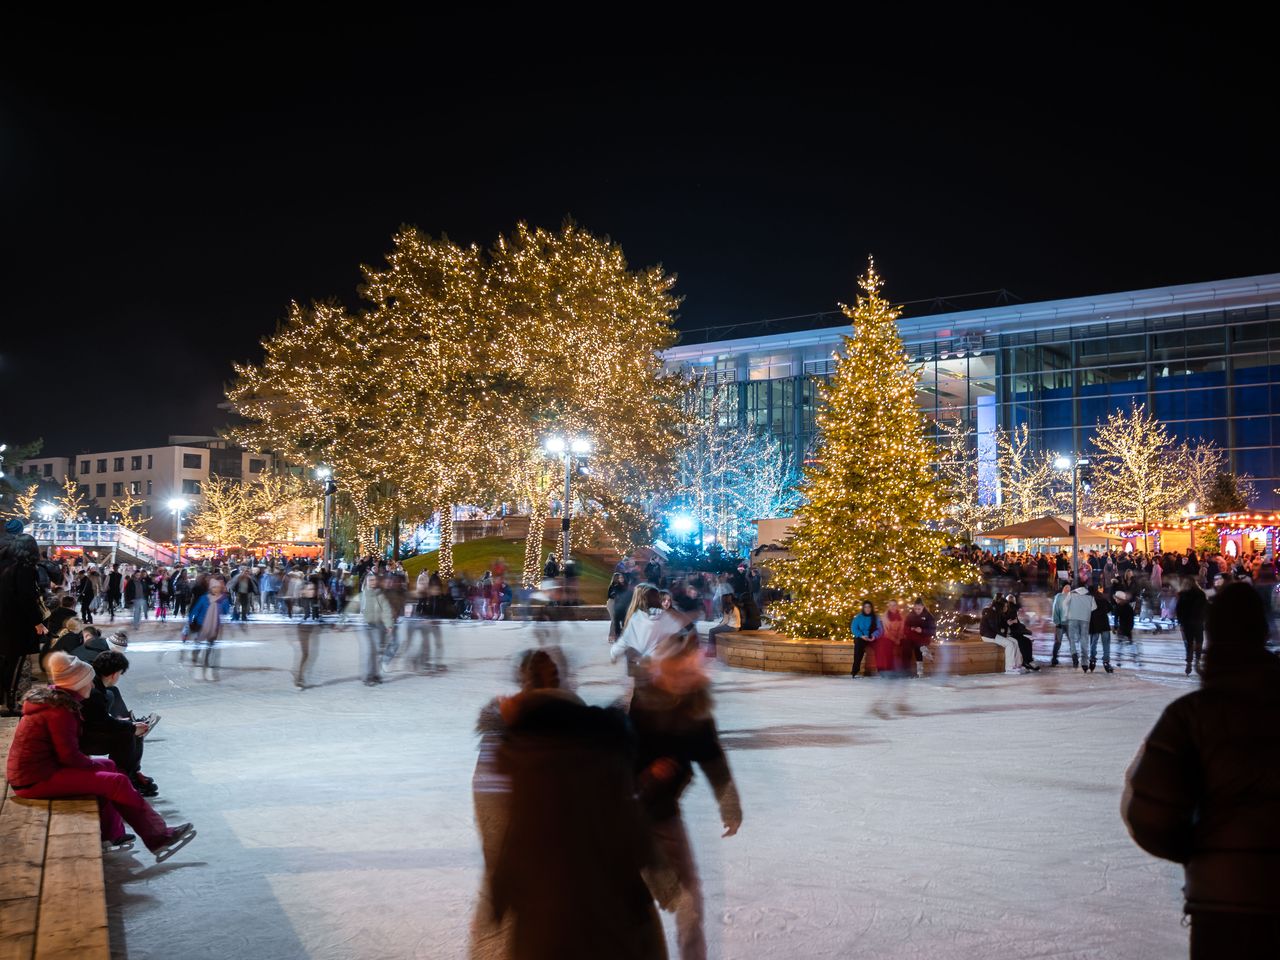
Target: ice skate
(178, 838)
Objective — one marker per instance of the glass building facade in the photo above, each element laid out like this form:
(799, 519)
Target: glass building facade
(1204, 358)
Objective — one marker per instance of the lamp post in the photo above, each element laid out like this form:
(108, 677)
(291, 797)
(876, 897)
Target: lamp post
(567, 449)
(178, 505)
(47, 512)
(330, 488)
(1074, 464)
(1191, 519)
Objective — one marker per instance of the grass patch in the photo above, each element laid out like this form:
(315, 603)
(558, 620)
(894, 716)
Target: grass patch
(476, 556)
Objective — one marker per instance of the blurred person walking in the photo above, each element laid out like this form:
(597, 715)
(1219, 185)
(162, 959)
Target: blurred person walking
(378, 619)
(568, 870)
(671, 711)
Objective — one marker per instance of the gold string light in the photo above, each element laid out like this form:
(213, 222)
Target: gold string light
(869, 526)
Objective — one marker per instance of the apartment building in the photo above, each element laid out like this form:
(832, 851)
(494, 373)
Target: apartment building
(152, 475)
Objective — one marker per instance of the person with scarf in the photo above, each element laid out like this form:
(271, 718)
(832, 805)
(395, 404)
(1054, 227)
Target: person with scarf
(207, 617)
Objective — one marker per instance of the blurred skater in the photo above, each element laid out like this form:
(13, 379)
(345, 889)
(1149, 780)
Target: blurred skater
(675, 728)
(568, 870)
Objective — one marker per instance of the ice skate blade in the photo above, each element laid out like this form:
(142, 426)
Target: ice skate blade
(177, 845)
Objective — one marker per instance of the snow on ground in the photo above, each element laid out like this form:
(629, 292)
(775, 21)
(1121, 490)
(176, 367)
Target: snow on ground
(942, 818)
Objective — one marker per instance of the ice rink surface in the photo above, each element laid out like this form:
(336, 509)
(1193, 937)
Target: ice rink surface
(971, 817)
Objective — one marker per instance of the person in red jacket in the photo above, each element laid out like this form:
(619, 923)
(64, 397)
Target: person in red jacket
(45, 763)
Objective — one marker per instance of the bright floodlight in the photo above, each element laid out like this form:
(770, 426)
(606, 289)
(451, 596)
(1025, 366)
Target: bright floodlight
(177, 504)
(3, 447)
(682, 524)
(554, 445)
(47, 510)
(1062, 463)
(581, 445)
(323, 473)
(1191, 508)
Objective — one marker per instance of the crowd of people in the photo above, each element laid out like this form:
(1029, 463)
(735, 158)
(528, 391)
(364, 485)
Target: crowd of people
(1115, 593)
(76, 735)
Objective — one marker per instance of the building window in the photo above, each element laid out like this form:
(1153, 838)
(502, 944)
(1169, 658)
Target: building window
(150, 459)
(148, 488)
(146, 511)
(257, 466)
(117, 489)
(191, 486)
(135, 463)
(83, 490)
(102, 465)
(118, 465)
(100, 490)
(84, 466)
(48, 469)
(135, 487)
(191, 461)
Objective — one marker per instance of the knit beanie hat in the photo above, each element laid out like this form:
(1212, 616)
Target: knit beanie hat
(119, 642)
(14, 526)
(70, 673)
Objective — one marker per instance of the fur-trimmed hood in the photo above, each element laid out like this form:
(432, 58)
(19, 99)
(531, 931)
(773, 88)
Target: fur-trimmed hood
(49, 698)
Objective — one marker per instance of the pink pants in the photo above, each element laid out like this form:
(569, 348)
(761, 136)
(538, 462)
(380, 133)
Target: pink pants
(116, 799)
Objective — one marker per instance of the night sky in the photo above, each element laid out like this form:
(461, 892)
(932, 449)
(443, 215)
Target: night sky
(156, 223)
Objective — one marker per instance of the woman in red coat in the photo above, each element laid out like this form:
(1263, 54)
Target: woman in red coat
(889, 646)
(45, 763)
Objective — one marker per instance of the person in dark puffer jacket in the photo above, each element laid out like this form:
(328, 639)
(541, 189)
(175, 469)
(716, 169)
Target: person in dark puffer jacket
(1204, 790)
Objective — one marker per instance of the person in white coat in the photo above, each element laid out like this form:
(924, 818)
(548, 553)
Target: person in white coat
(640, 635)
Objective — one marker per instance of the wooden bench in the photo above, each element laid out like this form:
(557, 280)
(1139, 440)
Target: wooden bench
(53, 901)
(767, 650)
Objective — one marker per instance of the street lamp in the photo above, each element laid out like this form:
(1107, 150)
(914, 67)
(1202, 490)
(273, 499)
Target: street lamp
(330, 488)
(1074, 464)
(178, 505)
(1191, 519)
(567, 449)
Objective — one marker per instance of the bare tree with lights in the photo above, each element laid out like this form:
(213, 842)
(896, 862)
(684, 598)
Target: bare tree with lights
(1136, 469)
(24, 504)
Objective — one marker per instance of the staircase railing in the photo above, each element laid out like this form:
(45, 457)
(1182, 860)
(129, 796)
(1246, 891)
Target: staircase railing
(111, 535)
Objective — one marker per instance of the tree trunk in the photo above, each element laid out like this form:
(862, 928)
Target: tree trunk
(532, 574)
(446, 542)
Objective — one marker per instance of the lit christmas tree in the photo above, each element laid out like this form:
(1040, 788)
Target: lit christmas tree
(867, 528)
